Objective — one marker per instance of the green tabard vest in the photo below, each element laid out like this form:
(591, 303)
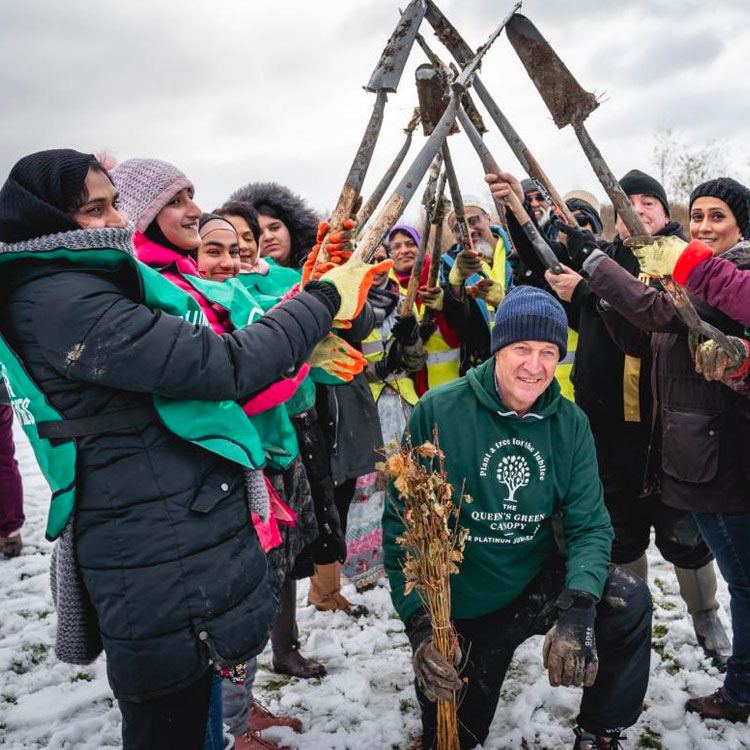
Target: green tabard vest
(277, 435)
(220, 427)
(268, 290)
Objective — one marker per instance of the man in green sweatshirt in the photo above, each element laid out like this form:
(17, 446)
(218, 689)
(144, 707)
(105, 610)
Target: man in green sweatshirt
(537, 554)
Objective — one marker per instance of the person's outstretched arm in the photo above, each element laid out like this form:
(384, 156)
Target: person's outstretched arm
(92, 332)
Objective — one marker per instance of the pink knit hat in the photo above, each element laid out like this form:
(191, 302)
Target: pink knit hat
(145, 187)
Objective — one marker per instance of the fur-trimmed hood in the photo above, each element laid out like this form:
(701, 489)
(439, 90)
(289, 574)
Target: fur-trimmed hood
(300, 219)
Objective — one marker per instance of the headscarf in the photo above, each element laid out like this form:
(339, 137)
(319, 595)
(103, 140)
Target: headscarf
(39, 190)
(211, 222)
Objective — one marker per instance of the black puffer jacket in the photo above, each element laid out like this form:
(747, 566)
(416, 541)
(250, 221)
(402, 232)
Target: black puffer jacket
(348, 414)
(163, 537)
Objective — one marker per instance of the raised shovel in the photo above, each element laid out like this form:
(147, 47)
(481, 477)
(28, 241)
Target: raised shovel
(569, 104)
(461, 51)
(468, 123)
(406, 188)
(384, 80)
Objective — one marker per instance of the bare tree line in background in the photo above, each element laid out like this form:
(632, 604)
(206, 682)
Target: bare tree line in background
(677, 166)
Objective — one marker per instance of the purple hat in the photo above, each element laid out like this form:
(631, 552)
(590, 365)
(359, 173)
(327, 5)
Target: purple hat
(145, 187)
(413, 232)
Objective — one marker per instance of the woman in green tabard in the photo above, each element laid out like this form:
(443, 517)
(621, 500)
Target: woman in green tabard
(130, 405)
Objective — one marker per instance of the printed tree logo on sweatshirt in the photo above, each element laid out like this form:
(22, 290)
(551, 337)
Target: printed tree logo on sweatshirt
(514, 515)
(514, 473)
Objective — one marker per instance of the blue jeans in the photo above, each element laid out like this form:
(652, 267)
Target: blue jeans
(728, 537)
(214, 730)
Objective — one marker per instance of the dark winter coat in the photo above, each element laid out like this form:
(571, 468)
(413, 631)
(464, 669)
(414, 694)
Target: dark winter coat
(163, 535)
(599, 369)
(349, 416)
(705, 425)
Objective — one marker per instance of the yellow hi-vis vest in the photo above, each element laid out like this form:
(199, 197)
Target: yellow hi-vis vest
(374, 348)
(443, 360)
(564, 366)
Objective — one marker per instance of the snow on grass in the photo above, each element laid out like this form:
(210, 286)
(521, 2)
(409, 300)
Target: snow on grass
(366, 702)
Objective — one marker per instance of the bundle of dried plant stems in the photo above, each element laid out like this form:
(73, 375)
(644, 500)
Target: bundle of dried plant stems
(433, 546)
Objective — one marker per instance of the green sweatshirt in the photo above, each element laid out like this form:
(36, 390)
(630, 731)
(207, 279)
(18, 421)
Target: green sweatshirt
(518, 471)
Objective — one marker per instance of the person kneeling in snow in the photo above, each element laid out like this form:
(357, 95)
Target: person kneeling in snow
(537, 554)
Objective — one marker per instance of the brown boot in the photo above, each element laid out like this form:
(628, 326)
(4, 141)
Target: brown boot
(261, 718)
(11, 546)
(325, 592)
(716, 706)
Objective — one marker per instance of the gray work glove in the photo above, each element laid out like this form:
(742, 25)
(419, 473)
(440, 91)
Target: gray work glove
(436, 677)
(569, 646)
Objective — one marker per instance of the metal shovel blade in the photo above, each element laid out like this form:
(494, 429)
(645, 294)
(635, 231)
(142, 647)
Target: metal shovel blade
(391, 65)
(563, 95)
(431, 92)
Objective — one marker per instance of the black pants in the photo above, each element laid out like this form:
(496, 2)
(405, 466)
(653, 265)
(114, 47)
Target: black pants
(621, 454)
(623, 641)
(177, 720)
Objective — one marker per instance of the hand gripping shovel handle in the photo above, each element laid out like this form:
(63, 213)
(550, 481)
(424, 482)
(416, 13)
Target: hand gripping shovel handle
(542, 249)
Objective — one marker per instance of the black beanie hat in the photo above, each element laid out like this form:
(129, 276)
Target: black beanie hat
(733, 193)
(636, 182)
(39, 189)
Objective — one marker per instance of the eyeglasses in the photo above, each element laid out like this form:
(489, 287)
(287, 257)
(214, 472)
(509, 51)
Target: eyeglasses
(472, 221)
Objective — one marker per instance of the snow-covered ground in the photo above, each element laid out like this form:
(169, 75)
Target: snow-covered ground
(365, 703)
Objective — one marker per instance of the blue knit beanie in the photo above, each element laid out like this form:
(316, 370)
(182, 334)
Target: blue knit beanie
(530, 314)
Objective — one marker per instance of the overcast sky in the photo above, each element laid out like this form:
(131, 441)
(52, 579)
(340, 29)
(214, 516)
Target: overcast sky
(241, 90)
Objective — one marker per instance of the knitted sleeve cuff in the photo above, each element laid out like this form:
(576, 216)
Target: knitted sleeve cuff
(695, 252)
(326, 293)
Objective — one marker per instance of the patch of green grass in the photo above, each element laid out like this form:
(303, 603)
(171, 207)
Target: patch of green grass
(659, 583)
(659, 630)
(649, 738)
(277, 684)
(38, 653)
(668, 605)
(44, 614)
(405, 706)
(81, 677)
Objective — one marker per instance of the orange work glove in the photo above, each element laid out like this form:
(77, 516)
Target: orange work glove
(353, 280)
(339, 248)
(334, 361)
